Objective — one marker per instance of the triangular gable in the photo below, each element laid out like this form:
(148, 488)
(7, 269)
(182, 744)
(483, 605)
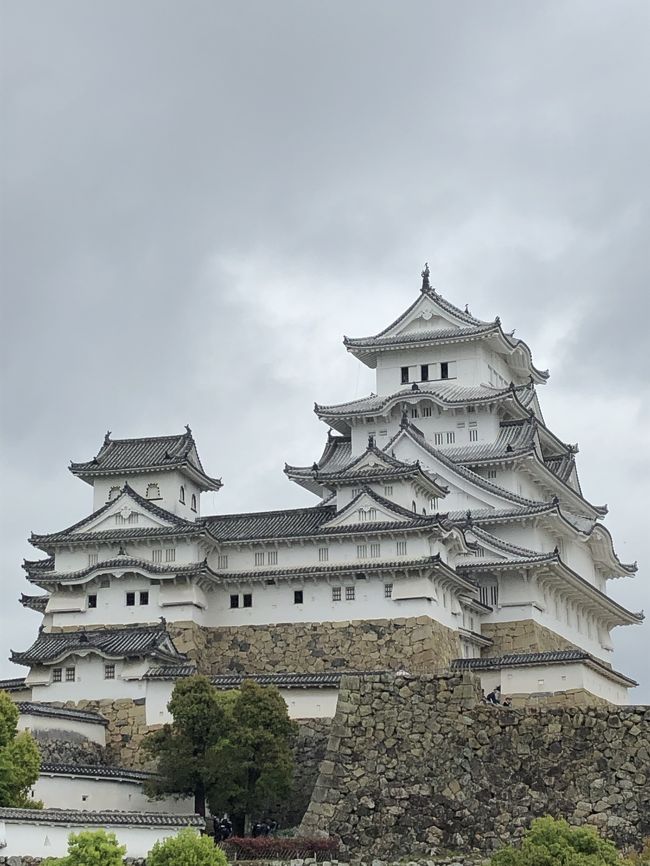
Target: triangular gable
(381, 511)
(426, 314)
(373, 458)
(127, 504)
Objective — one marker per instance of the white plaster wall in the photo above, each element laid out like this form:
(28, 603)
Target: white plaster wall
(24, 839)
(82, 792)
(169, 483)
(76, 559)
(93, 732)
(90, 683)
(553, 678)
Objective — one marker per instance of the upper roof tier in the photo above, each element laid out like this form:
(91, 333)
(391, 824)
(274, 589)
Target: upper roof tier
(432, 320)
(120, 457)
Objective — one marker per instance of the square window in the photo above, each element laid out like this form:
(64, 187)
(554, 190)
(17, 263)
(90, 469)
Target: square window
(375, 550)
(57, 675)
(297, 596)
(350, 592)
(70, 674)
(130, 599)
(424, 372)
(444, 370)
(248, 599)
(234, 601)
(144, 597)
(323, 554)
(388, 590)
(109, 672)
(336, 593)
(272, 557)
(92, 601)
(405, 375)
(259, 558)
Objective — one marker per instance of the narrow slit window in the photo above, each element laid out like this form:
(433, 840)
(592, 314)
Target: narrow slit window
(424, 372)
(451, 437)
(444, 370)
(298, 596)
(92, 601)
(405, 375)
(181, 495)
(193, 502)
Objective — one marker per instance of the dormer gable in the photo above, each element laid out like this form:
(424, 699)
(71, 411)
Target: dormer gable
(127, 509)
(367, 508)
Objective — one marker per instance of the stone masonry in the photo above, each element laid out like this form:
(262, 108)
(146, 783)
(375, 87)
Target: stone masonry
(416, 643)
(521, 636)
(418, 765)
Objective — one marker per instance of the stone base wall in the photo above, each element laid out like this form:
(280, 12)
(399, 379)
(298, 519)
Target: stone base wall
(127, 727)
(308, 752)
(568, 698)
(521, 636)
(418, 643)
(65, 747)
(419, 766)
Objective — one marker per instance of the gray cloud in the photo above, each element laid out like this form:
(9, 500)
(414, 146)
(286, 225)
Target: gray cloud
(199, 199)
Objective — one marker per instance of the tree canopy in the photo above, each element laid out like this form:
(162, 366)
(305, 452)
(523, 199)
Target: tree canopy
(554, 842)
(91, 848)
(20, 760)
(232, 747)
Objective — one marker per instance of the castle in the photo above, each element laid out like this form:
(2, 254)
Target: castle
(450, 531)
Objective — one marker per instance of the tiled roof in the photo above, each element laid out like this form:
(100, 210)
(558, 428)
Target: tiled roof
(445, 395)
(127, 562)
(16, 684)
(109, 819)
(421, 336)
(46, 564)
(327, 679)
(35, 602)
(135, 642)
(31, 708)
(167, 672)
(123, 456)
(539, 658)
(44, 541)
(287, 523)
(513, 439)
(99, 771)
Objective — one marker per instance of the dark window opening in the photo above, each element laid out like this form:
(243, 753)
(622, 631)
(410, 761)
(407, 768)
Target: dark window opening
(234, 601)
(444, 370)
(193, 501)
(424, 372)
(144, 598)
(181, 495)
(92, 601)
(130, 599)
(248, 599)
(297, 596)
(405, 375)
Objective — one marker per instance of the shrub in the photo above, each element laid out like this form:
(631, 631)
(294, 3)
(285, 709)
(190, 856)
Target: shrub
(273, 848)
(186, 849)
(91, 848)
(551, 842)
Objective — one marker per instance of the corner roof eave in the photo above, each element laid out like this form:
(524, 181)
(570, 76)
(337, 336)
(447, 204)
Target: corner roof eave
(203, 481)
(560, 657)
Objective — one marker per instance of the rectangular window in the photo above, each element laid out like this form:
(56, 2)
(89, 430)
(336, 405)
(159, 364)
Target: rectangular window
(414, 412)
(388, 490)
(297, 596)
(130, 599)
(259, 559)
(362, 551)
(437, 438)
(424, 372)
(222, 560)
(460, 425)
(371, 514)
(109, 672)
(350, 593)
(336, 593)
(401, 548)
(234, 601)
(156, 555)
(170, 554)
(272, 558)
(426, 411)
(247, 599)
(57, 675)
(375, 550)
(405, 375)
(491, 473)
(355, 491)
(70, 674)
(93, 558)
(383, 432)
(451, 437)
(433, 503)
(473, 434)
(444, 370)
(323, 554)
(494, 595)
(144, 598)
(388, 590)
(92, 601)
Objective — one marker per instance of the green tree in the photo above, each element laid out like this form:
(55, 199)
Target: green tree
(186, 849)
(182, 747)
(551, 842)
(20, 760)
(91, 848)
(252, 769)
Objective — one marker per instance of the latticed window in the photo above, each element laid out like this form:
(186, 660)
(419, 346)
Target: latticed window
(433, 503)
(336, 593)
(350, 593)
(70, 674)
(157, 555)
(222, 560)
(323, 554)
(401, 548)
(388, 590)
(362, 551)
(272, 557)
(437, 438)
(259, 558)
(170, 554)
(375, 550)
(93, 558)
(388, 490)
(473, 434)
(109, 672)
(57, 675)
(153, 491)
(426, 411)
(451, 437)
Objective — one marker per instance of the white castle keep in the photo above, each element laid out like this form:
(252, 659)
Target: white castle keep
(450, 530)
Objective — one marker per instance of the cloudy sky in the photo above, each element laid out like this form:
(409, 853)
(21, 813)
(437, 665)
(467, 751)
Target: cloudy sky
(200, 198)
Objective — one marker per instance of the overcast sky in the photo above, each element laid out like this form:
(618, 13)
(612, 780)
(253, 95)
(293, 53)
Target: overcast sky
(200, 198)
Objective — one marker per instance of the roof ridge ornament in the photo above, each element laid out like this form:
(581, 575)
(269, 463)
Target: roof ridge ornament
(404, 423)
(426, 285)
(107, 438)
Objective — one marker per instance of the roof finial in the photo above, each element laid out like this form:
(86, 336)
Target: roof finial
(188, 429)
(426, 285)
(371, 440)
(121, 551)
(107, 437)
(404, 423)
